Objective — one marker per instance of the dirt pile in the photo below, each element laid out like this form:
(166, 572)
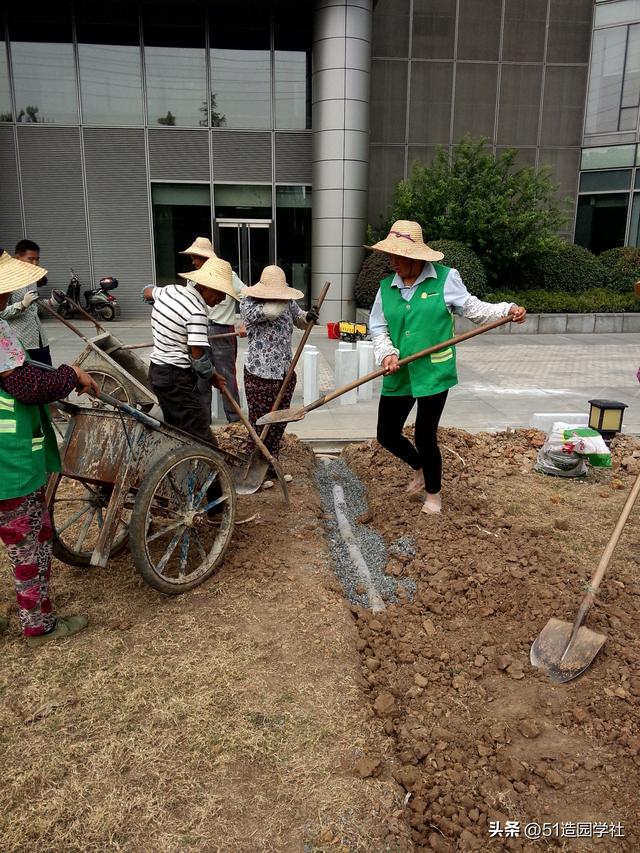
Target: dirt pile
(480, 735)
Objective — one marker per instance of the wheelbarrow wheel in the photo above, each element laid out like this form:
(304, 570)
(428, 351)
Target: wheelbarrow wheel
(183, 518)
(77, 512)
(111, 385)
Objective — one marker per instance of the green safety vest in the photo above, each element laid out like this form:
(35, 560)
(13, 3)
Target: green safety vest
(422, 322)
(28, 447)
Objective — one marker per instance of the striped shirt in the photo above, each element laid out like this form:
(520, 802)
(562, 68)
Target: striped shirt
(178, 321)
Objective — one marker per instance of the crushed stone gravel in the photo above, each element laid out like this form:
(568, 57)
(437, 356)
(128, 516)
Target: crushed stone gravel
(371, 544)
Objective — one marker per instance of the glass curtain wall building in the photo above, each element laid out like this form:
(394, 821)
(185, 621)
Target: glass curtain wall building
(126, 129)
(282, 127)
(608, 212)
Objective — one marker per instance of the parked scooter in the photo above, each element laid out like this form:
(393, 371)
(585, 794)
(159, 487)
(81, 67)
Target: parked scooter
(98, 300)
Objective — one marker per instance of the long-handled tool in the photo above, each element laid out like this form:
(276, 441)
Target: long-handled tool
(150, 343)
(563, 650)
(290, 415)
(241, 487)
(257, 467)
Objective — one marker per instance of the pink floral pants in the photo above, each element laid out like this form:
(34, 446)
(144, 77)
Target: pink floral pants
(25, 528)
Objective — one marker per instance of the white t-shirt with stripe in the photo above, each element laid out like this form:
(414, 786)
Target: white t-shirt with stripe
(178, 321)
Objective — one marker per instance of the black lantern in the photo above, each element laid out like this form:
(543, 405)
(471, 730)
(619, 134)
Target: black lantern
(606, 417)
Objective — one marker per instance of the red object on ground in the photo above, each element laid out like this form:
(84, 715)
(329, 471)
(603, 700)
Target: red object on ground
(333, 331)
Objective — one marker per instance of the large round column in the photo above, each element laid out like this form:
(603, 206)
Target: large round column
(340, 98)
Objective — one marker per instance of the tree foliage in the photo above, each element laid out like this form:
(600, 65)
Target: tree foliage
(502, 212)
(561, 266)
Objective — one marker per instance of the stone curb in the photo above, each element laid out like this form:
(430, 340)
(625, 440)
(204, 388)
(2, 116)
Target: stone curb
(550, 324)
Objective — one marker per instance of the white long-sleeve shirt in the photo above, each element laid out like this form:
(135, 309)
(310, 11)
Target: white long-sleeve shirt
(456, 296)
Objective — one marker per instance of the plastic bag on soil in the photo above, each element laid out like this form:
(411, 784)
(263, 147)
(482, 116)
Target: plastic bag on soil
(558, 463)
(590, 444)
(557, 457)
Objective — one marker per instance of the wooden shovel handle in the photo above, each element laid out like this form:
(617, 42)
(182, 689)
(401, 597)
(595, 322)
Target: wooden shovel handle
(615, 536)
(295, 359)
(381, 371)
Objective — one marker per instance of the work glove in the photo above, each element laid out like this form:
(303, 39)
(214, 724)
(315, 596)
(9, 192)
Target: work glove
(28, 299)
(144, 298)
(312, 314)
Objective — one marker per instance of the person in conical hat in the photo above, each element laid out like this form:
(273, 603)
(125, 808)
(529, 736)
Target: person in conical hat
(269, 312)
(181, 355)
(413, 310)
(221, 318)
(28, 453)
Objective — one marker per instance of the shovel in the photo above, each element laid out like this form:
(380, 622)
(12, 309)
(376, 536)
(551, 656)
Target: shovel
(563, 650)
(247, 485)
(257, 466)
(290, 415)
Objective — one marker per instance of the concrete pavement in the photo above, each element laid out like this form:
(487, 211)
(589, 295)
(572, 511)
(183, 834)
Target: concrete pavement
(504, 379)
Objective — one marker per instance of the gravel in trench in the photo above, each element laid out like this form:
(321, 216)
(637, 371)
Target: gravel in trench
(370, 542)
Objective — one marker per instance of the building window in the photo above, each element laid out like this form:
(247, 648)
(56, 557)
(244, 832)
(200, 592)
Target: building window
(614, 85)
(109, 58)
(603, 208)
(43, 65)
(6, 113)
(181, 212)
(292, 75)
(293, 236)
(175, 65)
(241, 68)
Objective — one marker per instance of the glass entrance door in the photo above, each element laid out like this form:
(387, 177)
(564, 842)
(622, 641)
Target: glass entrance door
(246, 245)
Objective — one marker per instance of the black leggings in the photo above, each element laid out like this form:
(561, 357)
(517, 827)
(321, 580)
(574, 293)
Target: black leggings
(392, 415)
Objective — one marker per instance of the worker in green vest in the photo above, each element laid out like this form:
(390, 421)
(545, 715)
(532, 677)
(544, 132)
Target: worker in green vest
(28, 452)
(413, 310)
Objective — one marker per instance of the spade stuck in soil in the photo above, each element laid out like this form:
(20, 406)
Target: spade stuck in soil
(563, 650)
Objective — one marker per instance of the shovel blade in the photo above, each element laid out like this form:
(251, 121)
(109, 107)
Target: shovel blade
(560, 657)
(247, 481)
(281, 416)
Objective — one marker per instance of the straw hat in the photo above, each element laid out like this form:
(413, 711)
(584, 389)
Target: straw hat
(214, 273)
(15, 274)
(202, 247)
(405, 238)
(273, 285)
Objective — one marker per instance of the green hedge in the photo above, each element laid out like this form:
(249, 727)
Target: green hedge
(564, 267)
(375, 267)
(595, 300)
(622, 267)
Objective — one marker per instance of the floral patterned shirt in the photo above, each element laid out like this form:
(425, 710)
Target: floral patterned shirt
(269, 353)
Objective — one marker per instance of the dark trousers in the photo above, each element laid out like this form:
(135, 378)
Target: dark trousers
(180, 399)
(392, 415)
(41, 354)
(261, 395)
(223, 355)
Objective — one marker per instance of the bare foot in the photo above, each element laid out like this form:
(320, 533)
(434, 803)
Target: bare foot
(417, 483)
(432, 504)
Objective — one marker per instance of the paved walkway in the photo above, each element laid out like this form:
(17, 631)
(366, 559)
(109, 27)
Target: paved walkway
(504, 379)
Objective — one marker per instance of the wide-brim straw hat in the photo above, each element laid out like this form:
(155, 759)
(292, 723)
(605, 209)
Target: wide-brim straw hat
(215, 274)
(202, 247)
(405, 239)
(273, 285)
(15, 274)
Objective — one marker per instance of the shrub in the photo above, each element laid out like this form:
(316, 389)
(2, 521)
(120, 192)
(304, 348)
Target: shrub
(501, 211)
(374, 268)
(594, 300)
(622, 266)
(561, 266)
(465, 260)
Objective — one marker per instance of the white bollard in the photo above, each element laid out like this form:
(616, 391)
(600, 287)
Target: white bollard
(343, 345)
(365, 365)
(346, 371)
(310, 374)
